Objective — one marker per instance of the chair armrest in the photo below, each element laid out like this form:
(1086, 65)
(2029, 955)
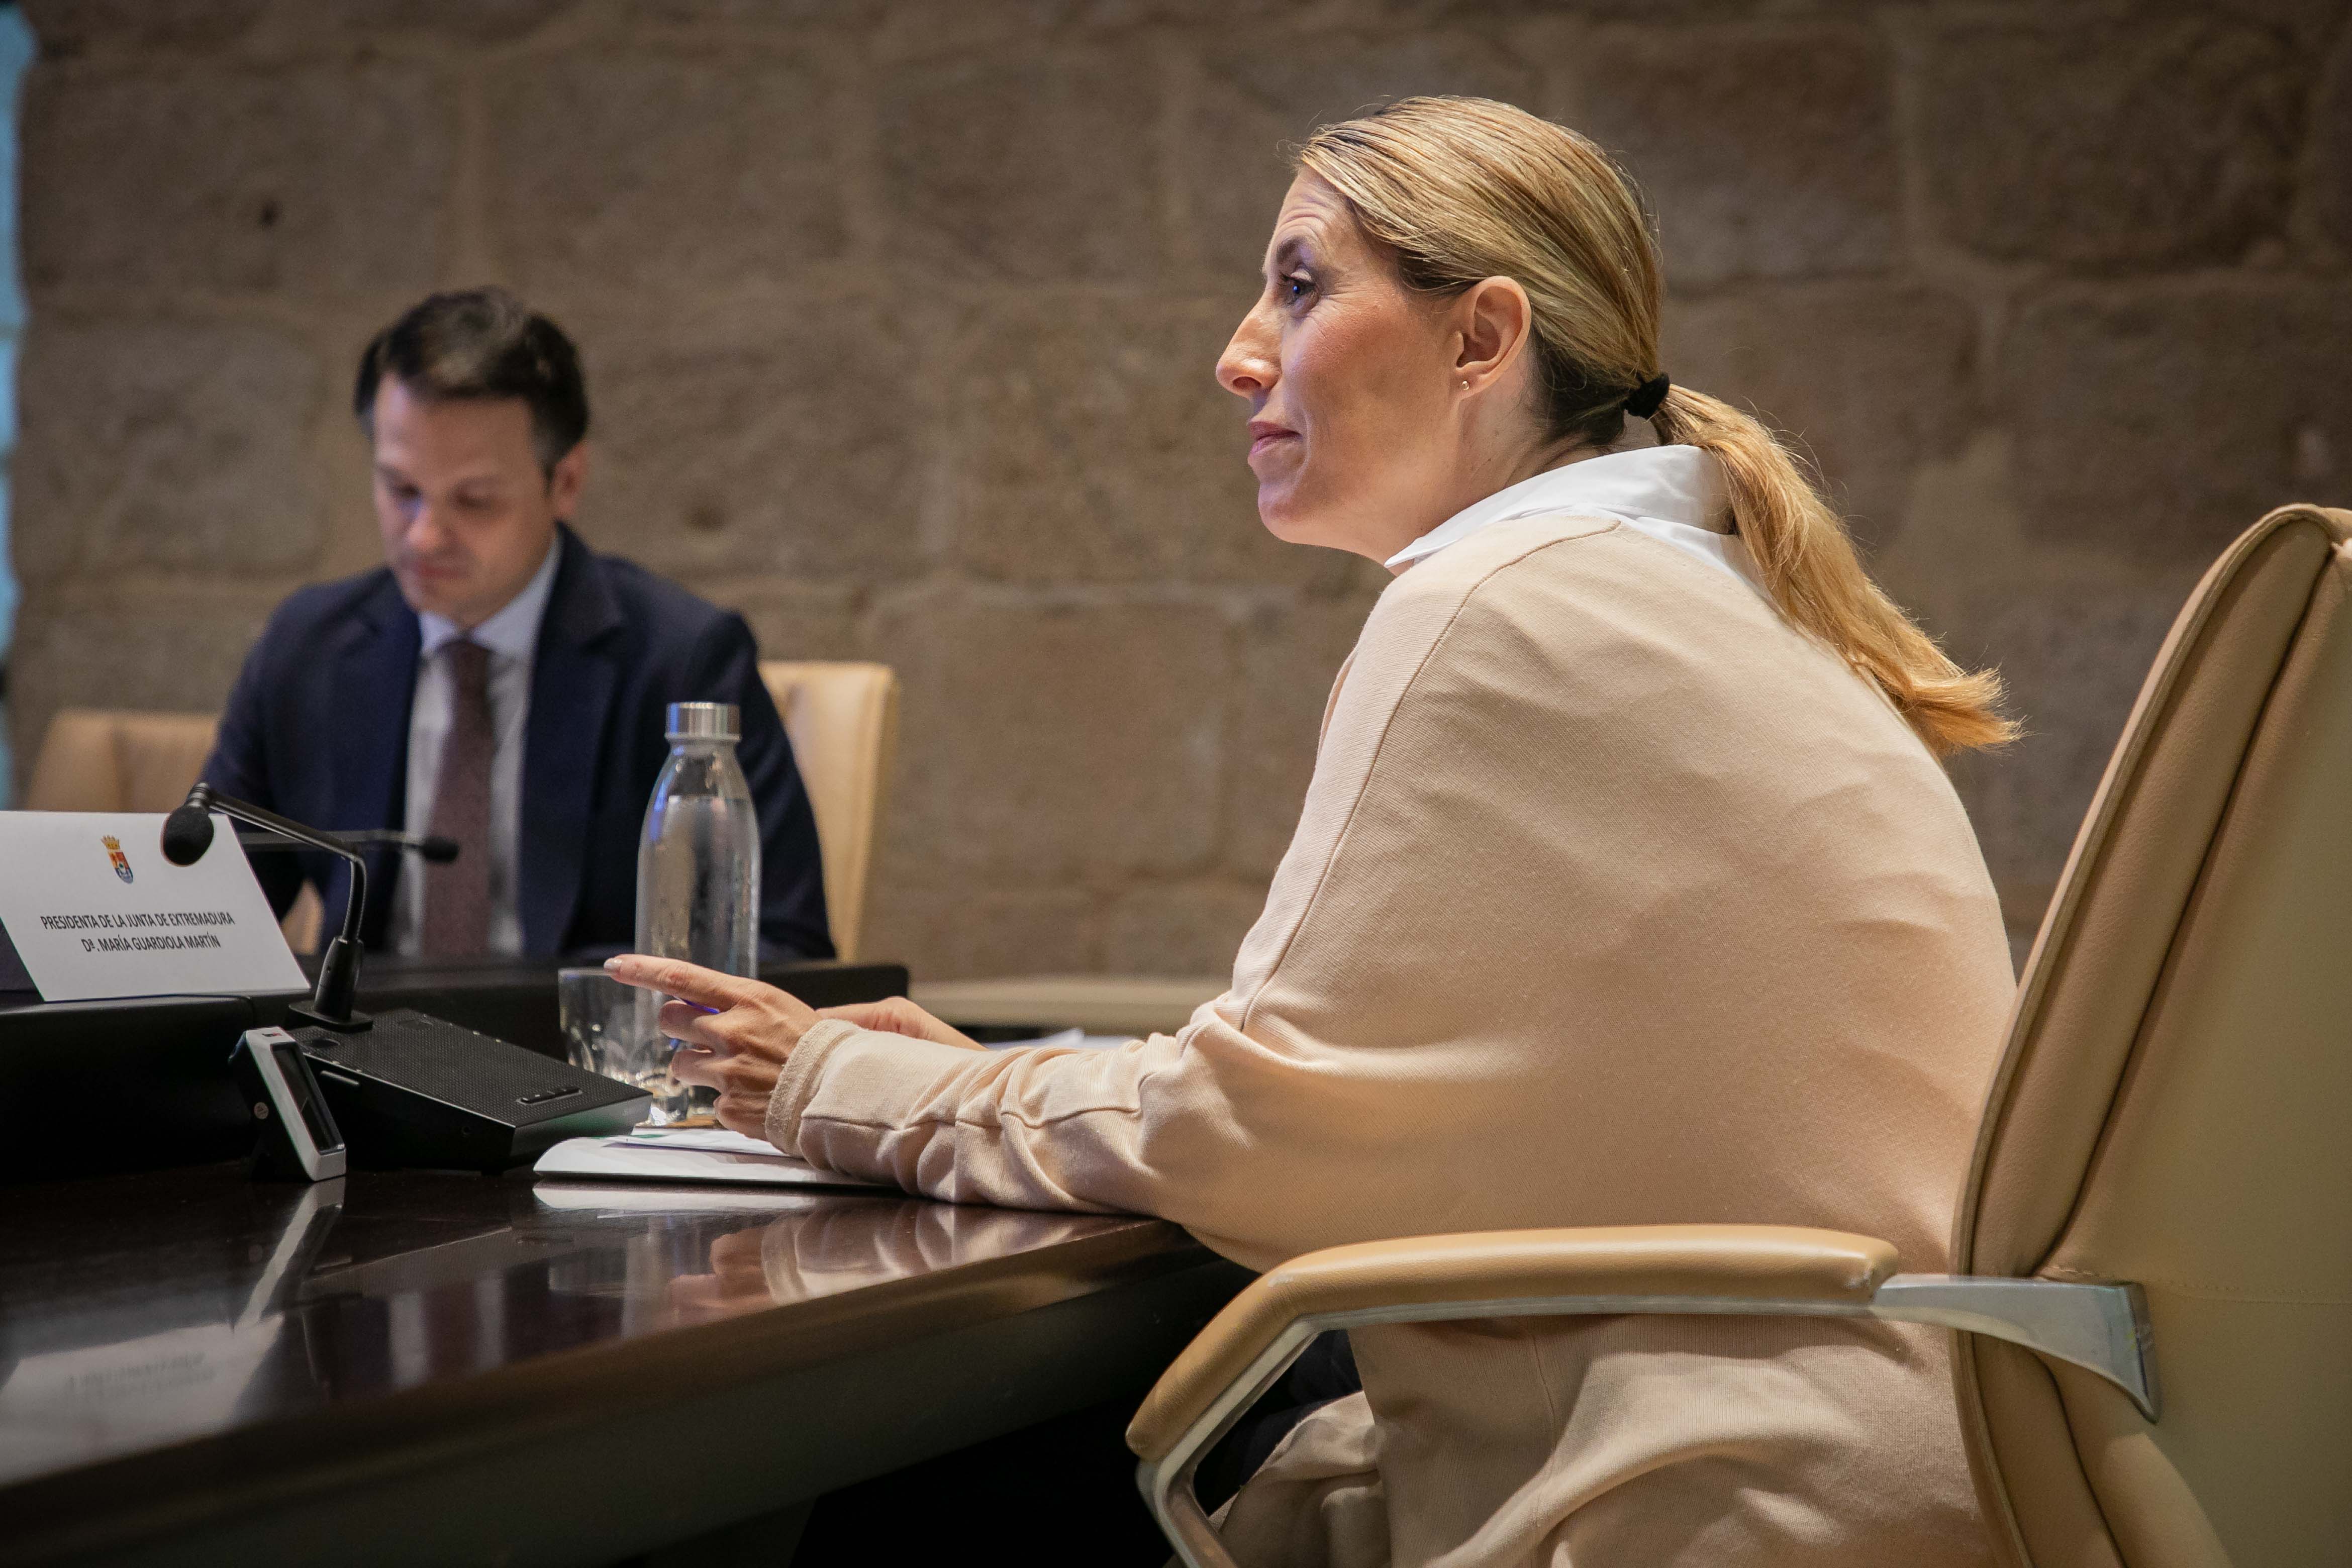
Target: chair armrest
(1688, 1262)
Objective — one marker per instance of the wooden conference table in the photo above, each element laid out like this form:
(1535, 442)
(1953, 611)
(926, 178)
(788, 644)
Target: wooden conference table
(421, 1366)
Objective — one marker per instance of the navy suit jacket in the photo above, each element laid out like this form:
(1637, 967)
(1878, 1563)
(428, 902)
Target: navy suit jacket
(317, 729)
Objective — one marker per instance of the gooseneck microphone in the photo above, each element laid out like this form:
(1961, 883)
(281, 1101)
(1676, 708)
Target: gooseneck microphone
(402, 1087)
(436, 851)
(188, 833)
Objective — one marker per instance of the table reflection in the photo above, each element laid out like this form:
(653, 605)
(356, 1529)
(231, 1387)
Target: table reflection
(141, 1384)
(822, 1247)
(127, 1321)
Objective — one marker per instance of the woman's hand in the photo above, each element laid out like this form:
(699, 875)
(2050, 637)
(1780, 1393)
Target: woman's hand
(899, 1016)
(735, 1033)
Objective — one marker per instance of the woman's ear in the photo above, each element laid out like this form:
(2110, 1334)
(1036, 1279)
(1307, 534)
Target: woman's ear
(1492, 320)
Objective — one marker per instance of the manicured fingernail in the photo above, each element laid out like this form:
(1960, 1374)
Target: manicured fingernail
(613, 962)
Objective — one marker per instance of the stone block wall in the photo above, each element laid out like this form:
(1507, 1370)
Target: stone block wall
(900, 321)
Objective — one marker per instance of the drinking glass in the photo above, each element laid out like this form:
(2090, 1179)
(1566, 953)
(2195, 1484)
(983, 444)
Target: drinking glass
(609, 1028)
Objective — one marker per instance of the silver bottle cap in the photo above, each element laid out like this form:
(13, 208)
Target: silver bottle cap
(703, 721)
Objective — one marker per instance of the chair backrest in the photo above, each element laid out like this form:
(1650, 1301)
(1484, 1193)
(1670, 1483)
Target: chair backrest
(844, 722)
(109, 759)
(2174, 1103)
(105, 759)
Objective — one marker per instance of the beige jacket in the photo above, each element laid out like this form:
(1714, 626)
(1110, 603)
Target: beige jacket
(1614, 899)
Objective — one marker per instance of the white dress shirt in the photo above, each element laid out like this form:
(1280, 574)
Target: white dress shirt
(1674, 494)
(512, 638)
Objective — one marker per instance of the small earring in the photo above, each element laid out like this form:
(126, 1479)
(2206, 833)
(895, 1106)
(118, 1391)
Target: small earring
(1466, 386)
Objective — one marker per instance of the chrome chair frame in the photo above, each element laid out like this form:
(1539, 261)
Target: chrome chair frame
(2102, 1328)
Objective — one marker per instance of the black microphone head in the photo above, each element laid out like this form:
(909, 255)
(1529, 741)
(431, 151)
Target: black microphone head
(187, 834)
(439, 851)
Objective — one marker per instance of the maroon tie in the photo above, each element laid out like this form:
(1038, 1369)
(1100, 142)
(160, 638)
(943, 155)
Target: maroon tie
(457, 895)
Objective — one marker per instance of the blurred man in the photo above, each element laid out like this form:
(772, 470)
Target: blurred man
(495, 683)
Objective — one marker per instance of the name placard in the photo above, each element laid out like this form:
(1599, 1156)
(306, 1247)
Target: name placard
(95, 911)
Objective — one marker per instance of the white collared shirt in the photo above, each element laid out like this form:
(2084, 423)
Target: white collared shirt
(512, 638)
(1674, 494)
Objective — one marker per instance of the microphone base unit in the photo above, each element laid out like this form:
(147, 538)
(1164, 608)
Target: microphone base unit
(416, 1091)
(406, 1089)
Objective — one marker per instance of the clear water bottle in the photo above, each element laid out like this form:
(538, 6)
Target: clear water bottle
(699, 865)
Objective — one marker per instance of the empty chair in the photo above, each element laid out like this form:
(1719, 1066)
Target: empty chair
(107, 759)
(2155, 1366)
(842, 719)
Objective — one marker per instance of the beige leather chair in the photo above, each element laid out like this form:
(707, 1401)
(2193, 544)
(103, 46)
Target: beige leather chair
(2160, 1182)
(113, 759)
(106, 759)
(844, 723)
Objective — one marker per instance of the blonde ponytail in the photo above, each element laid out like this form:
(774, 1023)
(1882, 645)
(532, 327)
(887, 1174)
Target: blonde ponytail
(1462, 189)
(1808, 564)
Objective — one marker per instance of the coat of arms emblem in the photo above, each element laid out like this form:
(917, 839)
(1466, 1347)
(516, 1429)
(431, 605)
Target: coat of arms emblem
(114, 853)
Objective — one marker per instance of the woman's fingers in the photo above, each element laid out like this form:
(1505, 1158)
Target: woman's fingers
(897, 1016)
(684, 1021)
(730, 1072)
(692, 1064)
(719, 1012)
(734, 1033)
(689, 980)
(744, 1113)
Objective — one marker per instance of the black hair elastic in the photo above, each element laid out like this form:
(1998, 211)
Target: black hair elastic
(1644, 399)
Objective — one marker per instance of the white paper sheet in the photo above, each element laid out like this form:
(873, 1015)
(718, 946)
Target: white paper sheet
(572, 1196)
(726, 1158)
(715, 1140)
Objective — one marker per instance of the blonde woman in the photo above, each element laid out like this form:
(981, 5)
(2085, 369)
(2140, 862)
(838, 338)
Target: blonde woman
(1628, 888)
